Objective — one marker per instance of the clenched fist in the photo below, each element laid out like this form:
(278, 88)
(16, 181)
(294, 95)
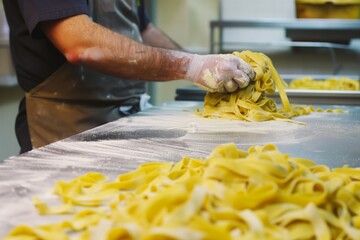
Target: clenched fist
(219, 72)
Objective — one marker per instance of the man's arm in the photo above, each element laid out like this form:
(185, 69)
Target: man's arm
(87, 43)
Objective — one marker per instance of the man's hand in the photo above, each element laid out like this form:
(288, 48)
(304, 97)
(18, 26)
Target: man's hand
(219, 73)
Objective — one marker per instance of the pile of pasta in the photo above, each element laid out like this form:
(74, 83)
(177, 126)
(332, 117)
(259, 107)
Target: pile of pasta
(251, 103)
(232, 194)
(309, 83)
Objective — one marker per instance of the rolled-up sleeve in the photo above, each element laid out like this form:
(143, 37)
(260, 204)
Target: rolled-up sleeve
(36, 11)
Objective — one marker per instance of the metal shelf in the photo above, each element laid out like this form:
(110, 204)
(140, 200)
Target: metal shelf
(353, 26)
(324, 97)
(330, 24)
(328, 34)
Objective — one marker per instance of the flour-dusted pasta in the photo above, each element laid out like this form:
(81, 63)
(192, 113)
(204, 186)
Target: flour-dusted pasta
(252, 104)
(232, 194)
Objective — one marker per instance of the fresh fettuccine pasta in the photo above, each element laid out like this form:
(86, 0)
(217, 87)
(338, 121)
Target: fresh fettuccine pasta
(251, 104)
(232, 194)
(327, 84)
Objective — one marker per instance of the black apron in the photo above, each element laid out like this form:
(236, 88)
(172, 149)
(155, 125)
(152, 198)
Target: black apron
(75, 98)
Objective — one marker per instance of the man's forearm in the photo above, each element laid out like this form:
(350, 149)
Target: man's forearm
(130, 59)
(92, 45)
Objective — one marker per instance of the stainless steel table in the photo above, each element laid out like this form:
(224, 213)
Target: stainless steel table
(297, 96)
(165, 133)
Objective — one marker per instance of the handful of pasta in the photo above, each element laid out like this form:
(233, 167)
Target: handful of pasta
(251, 103)
(232, 194)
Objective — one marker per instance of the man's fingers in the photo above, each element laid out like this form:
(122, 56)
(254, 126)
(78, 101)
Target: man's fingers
(220, 89)
(241, 79)
(231, 86)
(246, 68)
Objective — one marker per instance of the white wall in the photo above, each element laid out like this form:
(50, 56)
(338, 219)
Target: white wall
(253, 10)
(187, 21)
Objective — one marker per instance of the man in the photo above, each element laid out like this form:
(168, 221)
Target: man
(72, 58)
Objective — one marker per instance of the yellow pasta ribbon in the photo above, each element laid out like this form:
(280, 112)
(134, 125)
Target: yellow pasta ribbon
(232, 194)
